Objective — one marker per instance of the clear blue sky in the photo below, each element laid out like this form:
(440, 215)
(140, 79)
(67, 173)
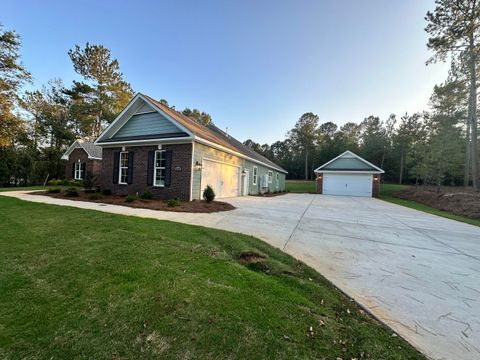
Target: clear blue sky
(255, 66)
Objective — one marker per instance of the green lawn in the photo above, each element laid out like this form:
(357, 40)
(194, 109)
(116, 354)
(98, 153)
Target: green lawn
(387, 191)
(79, 284)
(300, 186)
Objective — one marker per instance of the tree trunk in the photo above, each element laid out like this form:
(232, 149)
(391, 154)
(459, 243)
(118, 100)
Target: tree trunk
(472, 115)
(306, 164)
(466, 176)
(400, 178)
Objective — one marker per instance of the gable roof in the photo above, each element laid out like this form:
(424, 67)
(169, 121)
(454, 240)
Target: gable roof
(209, 135)
(349, 162)
(93, 151)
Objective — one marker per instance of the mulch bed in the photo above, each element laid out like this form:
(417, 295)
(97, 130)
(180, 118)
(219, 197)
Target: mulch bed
(459, 201)
(270, 194)
(195, 206)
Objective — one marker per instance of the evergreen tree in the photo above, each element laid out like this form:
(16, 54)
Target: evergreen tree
(102, 95)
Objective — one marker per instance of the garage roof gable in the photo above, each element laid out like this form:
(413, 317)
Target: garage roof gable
(349, 162)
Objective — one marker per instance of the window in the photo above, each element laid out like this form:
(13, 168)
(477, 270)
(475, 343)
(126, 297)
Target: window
(270, 176)
(123, 168)
(78, 171)
(277, 178)
(255, 171)
(159, 168)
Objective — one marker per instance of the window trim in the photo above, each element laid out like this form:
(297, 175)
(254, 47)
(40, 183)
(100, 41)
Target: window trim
(270, 176)
(155, 168)
(120, 167)
(255, 175)
(78, 171)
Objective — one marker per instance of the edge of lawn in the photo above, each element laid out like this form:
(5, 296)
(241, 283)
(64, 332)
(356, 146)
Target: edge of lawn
(377, 321)
(387, 194)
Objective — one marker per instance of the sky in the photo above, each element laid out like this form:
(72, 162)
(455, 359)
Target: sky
(255, 66)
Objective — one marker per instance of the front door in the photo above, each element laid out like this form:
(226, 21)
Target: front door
(246, 183)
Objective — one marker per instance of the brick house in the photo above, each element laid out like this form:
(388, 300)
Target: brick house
(349, 175)
(151, 147)
(83, 158)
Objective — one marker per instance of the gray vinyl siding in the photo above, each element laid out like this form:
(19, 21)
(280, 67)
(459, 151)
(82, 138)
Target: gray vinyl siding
(147, 124)
(201, 151)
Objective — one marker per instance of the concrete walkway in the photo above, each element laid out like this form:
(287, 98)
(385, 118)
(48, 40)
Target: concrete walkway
(418, 273)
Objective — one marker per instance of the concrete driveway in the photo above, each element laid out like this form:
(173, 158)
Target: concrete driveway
(418, 273)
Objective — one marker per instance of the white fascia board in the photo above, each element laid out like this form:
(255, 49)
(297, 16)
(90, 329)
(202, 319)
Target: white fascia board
(181, 140)
(227, 150)
(72, 147)
(348, 172)
(354, 155)
(114, 122)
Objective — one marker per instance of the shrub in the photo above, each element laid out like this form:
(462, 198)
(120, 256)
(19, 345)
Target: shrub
(173, 202)
(54, 182)
(89, 181)
(208, 194)
(131, 198)
(95, 196)
(106, 192)
(76, 183)
(147, 195)
(54, 190)
(72, 192)
(64, 182)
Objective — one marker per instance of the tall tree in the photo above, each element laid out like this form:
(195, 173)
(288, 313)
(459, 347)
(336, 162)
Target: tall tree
(407, 136)
(199, 116)
(12, 76)
(303, 136)
(454, 29)
(104, 92)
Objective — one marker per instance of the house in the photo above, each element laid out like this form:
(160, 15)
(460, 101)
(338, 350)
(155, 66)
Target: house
(348, 174)
(83, 158)
(151, 147)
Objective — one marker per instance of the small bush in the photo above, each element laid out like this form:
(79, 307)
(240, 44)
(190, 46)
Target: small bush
(55, 182)
(106, 192)
(64, 182)
(54, 190)
(95, 196)
(208, 194)
(76, 183)
(72, 192)
(131, 198)
(147, 195)
(173, 202)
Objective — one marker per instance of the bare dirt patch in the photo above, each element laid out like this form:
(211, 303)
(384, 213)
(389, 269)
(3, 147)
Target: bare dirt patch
(459, 201)
(250, 257)
(195, 206)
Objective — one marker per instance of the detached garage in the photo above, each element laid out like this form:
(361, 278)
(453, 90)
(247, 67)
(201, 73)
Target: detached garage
(348, 175)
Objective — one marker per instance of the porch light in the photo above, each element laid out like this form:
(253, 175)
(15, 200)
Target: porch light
(197, 166)
(375, 177)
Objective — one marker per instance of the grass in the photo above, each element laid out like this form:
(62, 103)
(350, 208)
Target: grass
(80, 284)
(300, 186)
(387, 191)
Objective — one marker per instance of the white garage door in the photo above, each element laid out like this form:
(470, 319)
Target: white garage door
(347, 184)
(223, 178)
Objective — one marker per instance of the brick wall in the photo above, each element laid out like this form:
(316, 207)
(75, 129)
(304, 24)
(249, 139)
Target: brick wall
(319, 183)
(94, 167)
(180, 179)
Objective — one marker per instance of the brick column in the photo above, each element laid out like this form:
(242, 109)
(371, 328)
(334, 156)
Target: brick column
(319, 183)
(376, 185)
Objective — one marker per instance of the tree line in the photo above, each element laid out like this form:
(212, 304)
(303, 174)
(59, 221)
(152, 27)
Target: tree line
(37, 126)
(438, 146)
